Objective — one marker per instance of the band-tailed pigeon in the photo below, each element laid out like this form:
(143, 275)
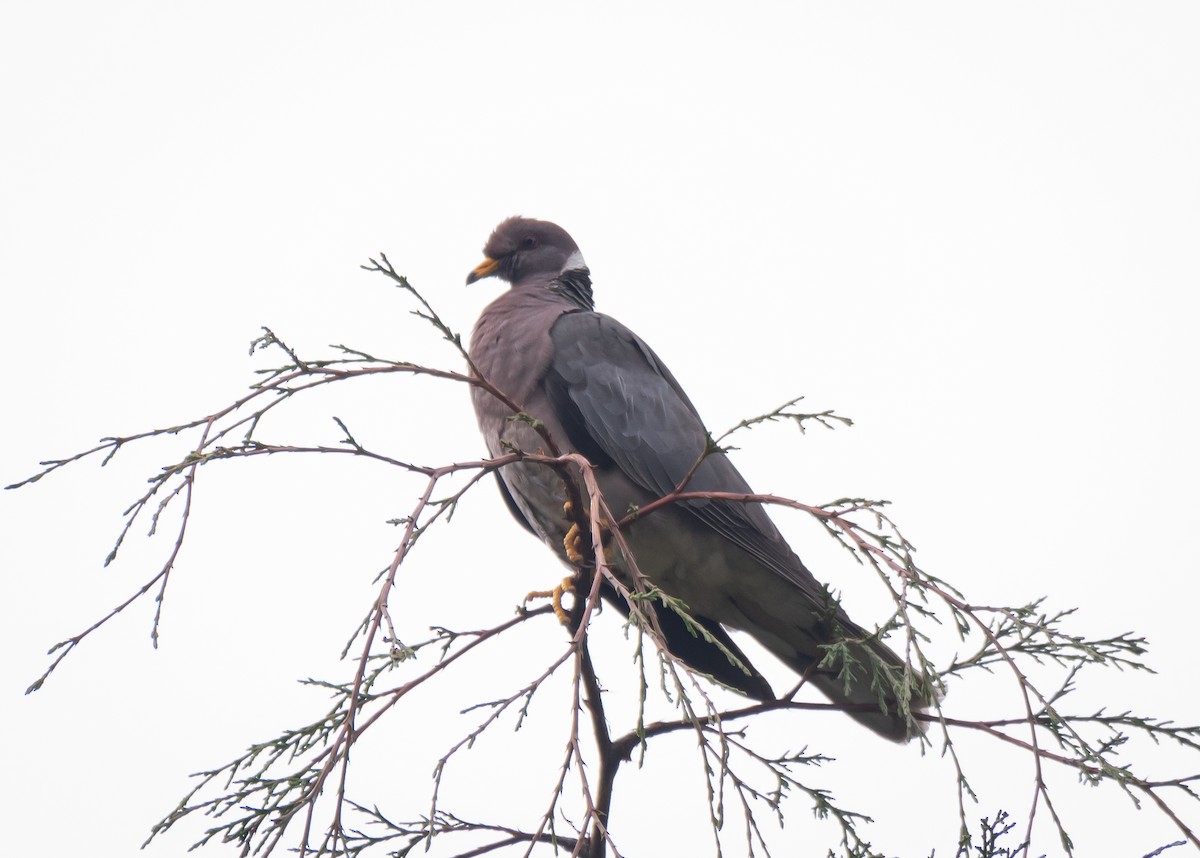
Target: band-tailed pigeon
(598, 390)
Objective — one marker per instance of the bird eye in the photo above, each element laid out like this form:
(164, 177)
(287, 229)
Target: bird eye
(529, 242)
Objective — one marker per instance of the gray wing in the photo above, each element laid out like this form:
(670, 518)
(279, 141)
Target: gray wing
(622, 408)
(681, 641)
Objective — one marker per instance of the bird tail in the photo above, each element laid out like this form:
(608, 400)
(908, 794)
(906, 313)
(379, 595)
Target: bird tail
(878, 689)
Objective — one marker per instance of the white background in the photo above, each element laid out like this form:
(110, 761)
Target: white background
(972, 228)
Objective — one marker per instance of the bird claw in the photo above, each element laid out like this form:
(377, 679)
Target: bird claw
(555, 597)
(574, 543)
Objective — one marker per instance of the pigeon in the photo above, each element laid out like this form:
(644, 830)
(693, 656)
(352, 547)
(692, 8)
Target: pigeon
(592, 386)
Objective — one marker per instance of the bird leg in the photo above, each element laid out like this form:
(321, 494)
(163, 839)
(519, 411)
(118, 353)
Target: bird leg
(555, 597)
(574, 543)
(575, 546)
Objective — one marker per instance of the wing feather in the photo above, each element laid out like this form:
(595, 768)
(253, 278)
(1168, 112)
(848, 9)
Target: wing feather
(623, 408)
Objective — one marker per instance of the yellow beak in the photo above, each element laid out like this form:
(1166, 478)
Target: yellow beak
(484, 269)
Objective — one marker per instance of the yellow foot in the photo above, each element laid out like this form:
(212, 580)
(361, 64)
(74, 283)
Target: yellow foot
(555, 597)
(574, 543)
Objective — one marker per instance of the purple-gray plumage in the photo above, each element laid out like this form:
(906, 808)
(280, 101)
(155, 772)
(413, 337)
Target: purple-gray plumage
(600, 391)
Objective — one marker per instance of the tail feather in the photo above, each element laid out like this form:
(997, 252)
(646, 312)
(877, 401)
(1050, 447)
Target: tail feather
(879, 690)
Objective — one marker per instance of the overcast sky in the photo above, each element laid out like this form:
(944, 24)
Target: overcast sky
(971, 228)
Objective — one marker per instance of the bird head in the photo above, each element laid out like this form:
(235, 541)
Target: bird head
(521, 248)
